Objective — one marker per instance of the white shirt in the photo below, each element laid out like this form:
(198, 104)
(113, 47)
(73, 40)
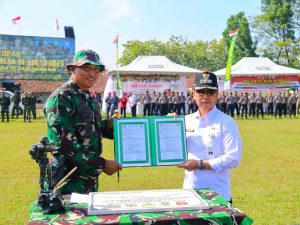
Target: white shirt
(213, 137)
(132, 100)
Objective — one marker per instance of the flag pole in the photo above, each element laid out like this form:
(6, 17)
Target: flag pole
(227, 80)
(118, 81)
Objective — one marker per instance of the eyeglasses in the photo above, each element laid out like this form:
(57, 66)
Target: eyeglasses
(208, 92)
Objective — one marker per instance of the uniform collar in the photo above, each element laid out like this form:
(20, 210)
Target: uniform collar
(76, 87)
(209, 116)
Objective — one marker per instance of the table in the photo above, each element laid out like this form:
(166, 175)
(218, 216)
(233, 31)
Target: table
(220, 212)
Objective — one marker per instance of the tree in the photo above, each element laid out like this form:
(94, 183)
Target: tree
(137, 48)
(276, 28)
(199, 54)
(244, 46)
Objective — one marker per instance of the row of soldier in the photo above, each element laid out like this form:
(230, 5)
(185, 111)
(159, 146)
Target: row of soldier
(153, 104)
(28, 101)
(281, 104)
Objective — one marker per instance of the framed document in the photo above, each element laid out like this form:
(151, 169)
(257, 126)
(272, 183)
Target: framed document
(116, 202)
(150, 141)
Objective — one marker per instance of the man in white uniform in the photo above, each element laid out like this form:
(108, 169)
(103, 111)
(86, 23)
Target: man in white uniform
(213, 141)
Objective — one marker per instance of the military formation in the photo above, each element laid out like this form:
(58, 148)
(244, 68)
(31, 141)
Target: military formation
(245, 105)
(240, 105)
(29, 102)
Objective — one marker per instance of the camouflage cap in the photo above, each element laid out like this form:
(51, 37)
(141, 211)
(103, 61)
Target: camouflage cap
(86, 56)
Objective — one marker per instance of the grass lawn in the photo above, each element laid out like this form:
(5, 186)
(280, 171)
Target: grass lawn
(266, 186)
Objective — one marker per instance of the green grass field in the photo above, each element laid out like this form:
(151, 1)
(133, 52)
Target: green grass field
(266, 186)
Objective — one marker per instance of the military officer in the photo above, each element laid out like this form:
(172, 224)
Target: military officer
(75, 128)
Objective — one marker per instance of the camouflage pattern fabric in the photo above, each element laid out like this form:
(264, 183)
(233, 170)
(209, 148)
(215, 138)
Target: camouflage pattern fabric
(75, 128)
(220, 212)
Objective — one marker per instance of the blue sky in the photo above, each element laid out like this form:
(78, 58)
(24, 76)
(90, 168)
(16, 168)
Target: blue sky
(97, 22)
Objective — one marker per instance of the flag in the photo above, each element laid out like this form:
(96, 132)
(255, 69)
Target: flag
(56, 25)
(16, 19)
(232, 34)
(116, 40)
(118, 80)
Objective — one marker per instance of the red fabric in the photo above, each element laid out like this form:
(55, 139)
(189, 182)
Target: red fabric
(123, 102)
(14, 20)
(116, 39)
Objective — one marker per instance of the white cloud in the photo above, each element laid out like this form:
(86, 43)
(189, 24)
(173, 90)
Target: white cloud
(117, 10)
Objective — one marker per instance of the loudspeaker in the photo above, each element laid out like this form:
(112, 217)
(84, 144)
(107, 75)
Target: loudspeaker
(69, 32)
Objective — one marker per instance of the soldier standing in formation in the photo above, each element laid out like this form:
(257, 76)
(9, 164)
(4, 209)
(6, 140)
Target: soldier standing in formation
(223, 103)
(284, 104)
(114, 103)
(5, 103)
(189, 102)
(26, 101)
(182, 102)
(278, 103)
(259, 101)
(33, 100)
(163, 102)
(107, 105)
(292, 103)
(157, 105)
(153, 104)
(252, 104)
(244, 105)
(236, 107)
(146, 100)
(229, 104)
(171, 103)
(269, 101)
(16, 99)
(176, 103)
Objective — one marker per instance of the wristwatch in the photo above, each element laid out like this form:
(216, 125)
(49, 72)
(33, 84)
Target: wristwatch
(201, 165)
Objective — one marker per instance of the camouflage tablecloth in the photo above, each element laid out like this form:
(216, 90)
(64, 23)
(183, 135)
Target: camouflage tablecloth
(220, 212)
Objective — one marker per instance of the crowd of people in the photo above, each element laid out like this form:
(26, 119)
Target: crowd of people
(241, 105)
(244, 105)
(28, 100)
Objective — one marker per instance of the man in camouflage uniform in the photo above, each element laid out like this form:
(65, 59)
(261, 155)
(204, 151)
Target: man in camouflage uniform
(75, 128)
(33, 100)
(5, 103)
(16, 99)
(26, 101)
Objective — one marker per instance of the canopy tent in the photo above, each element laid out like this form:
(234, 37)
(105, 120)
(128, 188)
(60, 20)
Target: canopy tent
(152, 73)
(259, 73)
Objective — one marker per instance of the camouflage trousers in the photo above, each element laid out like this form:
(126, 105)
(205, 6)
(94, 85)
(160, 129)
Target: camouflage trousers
(5, 112)
(80, 181)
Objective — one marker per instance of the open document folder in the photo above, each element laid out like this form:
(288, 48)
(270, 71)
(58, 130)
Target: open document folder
(150, 141)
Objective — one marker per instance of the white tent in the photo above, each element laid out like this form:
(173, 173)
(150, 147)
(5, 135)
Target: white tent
(261, 74)
(152, 73)
(147, 65)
